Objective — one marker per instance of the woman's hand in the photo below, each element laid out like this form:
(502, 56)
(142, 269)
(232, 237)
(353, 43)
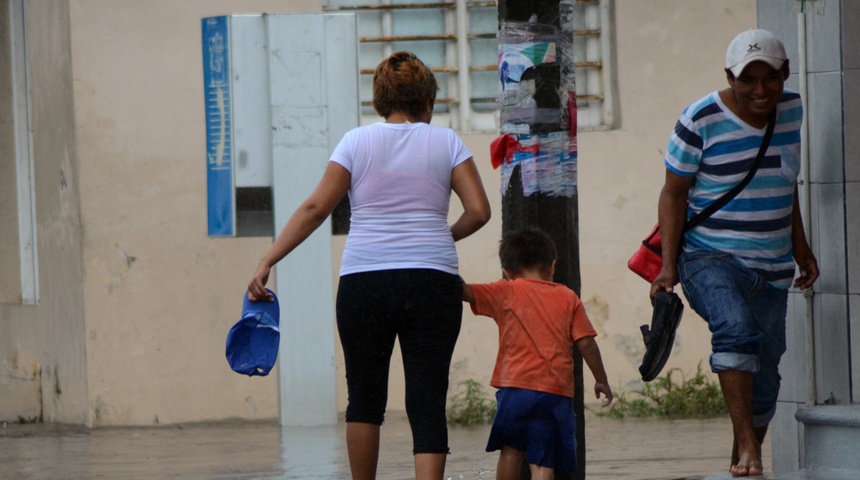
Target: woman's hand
(257, 288)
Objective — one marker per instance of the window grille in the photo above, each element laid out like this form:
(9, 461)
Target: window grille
(457, 40)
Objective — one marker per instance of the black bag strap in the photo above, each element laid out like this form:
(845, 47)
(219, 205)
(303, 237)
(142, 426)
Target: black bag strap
(722, 201)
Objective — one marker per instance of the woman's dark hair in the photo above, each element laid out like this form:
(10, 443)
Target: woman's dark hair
(530, 248)
(403, 83)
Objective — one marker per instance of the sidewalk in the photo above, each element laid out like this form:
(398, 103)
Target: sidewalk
(628, 449)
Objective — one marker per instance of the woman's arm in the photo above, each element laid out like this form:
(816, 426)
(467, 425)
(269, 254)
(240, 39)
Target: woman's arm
(466, 183)
(307, 218)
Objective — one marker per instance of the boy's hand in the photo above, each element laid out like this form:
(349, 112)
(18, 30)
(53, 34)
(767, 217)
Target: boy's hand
(468, 296)
(605, 390)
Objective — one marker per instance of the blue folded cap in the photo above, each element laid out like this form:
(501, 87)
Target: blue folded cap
(252, 343)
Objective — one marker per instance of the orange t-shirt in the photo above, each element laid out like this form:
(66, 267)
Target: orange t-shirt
(538, 324)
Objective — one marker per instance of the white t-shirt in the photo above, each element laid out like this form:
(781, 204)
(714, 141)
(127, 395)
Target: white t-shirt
(399, 195)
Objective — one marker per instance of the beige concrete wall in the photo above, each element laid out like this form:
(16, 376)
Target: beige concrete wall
(42, 347)
(158, 294)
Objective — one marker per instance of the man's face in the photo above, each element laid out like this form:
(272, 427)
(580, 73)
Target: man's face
(757, 90)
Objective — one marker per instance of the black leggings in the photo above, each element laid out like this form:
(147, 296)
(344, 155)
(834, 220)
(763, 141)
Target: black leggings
(423, 308)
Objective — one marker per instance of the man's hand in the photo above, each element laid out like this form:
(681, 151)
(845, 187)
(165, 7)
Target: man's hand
(665, 281)
(808, 267)
(803, 256)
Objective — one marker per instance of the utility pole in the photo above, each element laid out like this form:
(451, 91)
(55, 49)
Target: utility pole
(537, 146)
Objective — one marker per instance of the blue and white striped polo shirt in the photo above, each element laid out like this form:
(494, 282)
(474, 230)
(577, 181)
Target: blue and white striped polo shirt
(719, 148)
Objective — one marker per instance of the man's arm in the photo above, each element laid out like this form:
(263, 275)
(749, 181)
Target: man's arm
(671, 215)
(803, 256)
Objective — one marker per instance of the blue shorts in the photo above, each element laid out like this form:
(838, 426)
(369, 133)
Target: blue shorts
(541, 424)
(746, 316)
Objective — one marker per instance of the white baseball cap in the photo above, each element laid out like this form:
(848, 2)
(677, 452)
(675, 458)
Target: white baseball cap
(754, 45)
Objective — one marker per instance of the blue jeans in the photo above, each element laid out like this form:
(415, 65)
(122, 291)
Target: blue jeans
(746, 316)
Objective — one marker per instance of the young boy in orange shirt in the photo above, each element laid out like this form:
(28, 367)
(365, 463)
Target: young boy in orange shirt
(539, 323)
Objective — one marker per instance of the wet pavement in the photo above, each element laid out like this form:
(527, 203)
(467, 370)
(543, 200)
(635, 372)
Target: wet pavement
(627, 449)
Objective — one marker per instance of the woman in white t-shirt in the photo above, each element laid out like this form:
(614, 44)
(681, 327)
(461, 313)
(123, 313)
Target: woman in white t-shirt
(399, 274)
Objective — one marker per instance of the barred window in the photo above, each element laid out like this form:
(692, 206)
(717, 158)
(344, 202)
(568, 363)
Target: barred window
(457, 40)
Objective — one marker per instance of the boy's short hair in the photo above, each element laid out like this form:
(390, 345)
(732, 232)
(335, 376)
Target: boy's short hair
(526, 249)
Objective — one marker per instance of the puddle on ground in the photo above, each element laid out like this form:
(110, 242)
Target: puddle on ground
(627, 449)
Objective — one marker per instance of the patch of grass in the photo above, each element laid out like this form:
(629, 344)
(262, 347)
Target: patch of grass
(698, 396)
(31, 420)
(471, 405)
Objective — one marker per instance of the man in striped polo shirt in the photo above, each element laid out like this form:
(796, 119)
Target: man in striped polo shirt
(736, 266)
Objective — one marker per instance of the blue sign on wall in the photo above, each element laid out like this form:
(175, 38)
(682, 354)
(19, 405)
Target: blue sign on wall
(219, 152)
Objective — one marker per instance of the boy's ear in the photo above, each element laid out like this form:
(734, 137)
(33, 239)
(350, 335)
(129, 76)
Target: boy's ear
(552, 269)
(507, 274)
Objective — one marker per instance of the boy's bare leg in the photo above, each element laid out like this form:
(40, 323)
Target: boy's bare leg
(541, 473)
(362, 446)
(510, 460)
(737, 387)
(430, 466)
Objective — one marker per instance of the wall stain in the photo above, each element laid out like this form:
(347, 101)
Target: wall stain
(116, 268)
(598, 312)
(128, 259)
(103, 414)
(57, 389)
(632, 347)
